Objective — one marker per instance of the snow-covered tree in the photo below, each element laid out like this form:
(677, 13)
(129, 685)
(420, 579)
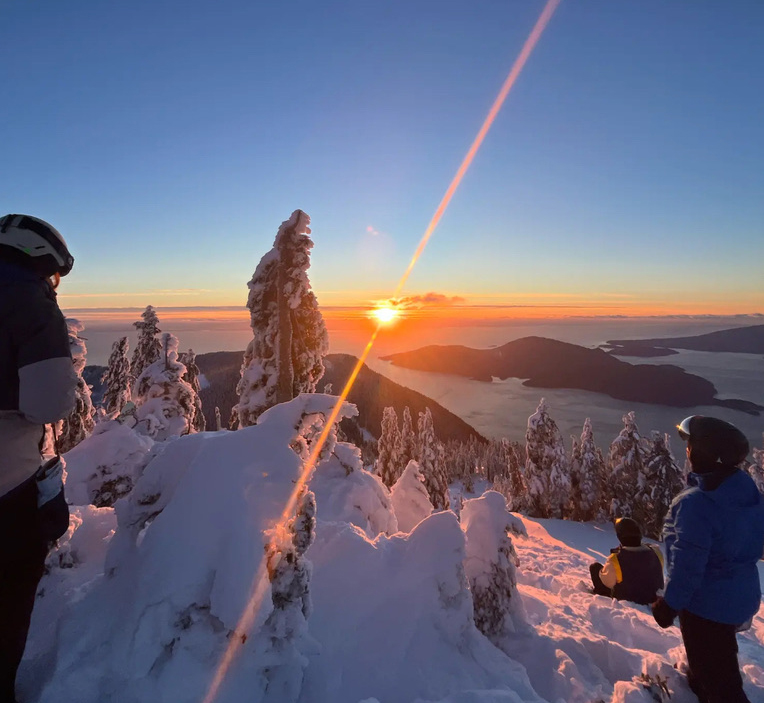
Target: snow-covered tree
(511, 483)
(285, 356)
(289, 573)
(490, 565)
(411, 501)
(626, 469)
(164, 401)
(117, 378)
(407, 443)
(662, 481)
(387, 464)
(547, 474)
(79, 423)
(218, 419)
(430, 461)
(188, 359)
(588, 473)
(148, 349)
(756, 469)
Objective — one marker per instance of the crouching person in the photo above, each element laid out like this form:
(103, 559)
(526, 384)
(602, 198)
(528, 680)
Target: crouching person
(37, 387)
(633, 571)
(714, 537)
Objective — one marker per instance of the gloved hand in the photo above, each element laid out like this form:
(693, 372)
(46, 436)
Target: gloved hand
(663, 613)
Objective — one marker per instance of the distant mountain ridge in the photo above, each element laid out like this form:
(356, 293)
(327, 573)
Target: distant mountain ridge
(371, 393)
(548, 363)
(740, 340)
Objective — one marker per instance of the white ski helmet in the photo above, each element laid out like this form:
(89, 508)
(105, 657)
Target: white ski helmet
(38, 240)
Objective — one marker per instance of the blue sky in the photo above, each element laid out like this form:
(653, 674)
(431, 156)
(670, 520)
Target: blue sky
(168, 140)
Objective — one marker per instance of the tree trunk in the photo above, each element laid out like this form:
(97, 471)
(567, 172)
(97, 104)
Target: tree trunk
(285, 383)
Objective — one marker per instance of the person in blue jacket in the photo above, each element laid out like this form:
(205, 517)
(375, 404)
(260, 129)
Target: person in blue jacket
(714, 538)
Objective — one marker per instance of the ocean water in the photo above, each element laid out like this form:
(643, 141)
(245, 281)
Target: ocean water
(501, 408)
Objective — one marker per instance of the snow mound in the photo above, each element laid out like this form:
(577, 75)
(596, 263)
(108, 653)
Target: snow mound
(180, 568)
(394, 621)
(410, 498)
(346, 492)
(104, 466)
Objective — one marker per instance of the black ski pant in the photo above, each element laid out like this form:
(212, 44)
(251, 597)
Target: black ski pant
(600, 588)
(714, 673)
(22, 560)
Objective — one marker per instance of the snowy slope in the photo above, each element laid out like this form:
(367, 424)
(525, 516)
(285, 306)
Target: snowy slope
(140, 602)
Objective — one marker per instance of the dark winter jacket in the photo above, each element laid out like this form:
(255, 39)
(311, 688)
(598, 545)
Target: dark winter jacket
(37, 379)
(634, 573)
(714, 537)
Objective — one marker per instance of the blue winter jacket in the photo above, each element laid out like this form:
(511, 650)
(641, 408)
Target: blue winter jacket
(713, 540)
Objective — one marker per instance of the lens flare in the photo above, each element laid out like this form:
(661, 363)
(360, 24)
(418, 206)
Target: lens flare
(260, 582)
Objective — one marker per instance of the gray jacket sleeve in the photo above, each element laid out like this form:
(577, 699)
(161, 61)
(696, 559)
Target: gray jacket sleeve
(47, 381)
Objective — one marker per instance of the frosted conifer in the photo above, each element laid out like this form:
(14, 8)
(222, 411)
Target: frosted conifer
(626, 468)
(148, 349)
(117, 378)
(547, 474)
(79, 423)
(407, 443)
(490, 565)
(588, 473)
(661, 483)
(164, 401)
(431, 462)
(188, 359)
(289, 573)
(410, 499)
(285, 356)
(387, 464)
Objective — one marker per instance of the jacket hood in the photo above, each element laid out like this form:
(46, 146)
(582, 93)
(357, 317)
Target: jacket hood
(736, 491)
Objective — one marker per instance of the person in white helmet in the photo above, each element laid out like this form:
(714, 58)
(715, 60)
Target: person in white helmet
(37, 387)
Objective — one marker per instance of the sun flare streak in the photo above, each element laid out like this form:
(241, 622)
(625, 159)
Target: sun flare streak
(259, 586)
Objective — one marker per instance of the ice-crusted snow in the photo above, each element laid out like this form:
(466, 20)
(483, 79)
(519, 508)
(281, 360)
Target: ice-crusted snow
(141, 600)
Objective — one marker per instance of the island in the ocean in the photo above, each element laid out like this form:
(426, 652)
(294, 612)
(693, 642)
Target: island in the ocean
(548, 363)
(741, 340)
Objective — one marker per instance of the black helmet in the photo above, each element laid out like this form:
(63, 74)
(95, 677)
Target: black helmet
(712, 443)
(628, 532)
(38, 240)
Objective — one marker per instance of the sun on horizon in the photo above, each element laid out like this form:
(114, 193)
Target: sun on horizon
(385, 313)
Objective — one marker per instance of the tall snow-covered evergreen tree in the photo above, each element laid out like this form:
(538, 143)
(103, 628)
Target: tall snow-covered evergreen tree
(188, 359)
(148, 349)
(588, 473)
(626, 468)
(387, 464)
(663, 480)
(117, 378)
(164, 401)
(285, 356)
(547, 474)
(79, 423)
(407, 444)
(431, 462)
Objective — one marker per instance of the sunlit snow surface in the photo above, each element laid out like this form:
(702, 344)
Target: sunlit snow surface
(391, 616)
